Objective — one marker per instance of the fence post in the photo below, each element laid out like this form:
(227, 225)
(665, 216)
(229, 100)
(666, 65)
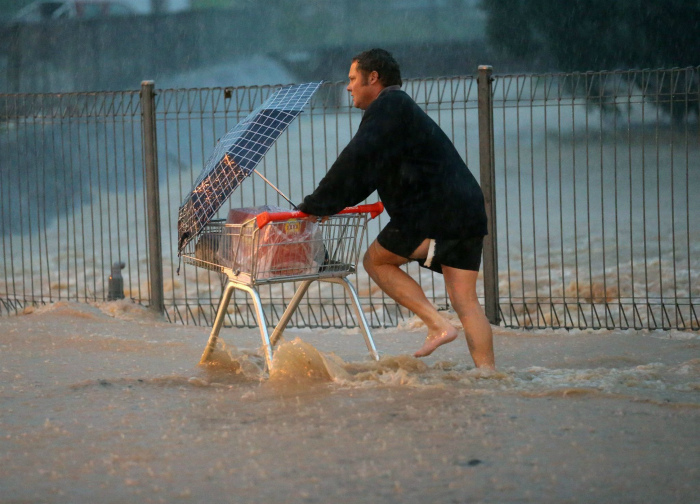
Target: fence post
(148, 135)
(488, 186)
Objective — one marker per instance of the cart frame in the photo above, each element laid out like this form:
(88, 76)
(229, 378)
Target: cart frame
(247, 264)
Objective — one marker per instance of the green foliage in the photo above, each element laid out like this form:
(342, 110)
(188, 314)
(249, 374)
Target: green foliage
(583, 35)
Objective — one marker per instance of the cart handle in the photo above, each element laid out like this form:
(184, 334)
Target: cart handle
(266, 217)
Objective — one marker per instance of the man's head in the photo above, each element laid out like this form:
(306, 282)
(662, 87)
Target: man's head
(370, 72)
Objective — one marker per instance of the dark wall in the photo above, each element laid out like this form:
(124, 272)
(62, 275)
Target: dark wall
(118, 53)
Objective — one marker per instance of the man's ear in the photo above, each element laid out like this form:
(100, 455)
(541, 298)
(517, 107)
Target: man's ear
(373, 77)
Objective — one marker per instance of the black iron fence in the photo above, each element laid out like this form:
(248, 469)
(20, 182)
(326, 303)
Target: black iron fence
(590, 179)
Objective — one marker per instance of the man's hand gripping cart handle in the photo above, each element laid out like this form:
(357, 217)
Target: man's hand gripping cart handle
(266, 217)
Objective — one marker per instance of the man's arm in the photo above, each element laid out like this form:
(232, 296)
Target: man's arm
(353, 176)
(347, 183)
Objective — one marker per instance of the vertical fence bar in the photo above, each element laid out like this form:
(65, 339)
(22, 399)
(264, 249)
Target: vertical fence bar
(488, 186)
(148, 132)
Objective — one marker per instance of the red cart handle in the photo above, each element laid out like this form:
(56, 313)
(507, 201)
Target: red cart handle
(266, 217)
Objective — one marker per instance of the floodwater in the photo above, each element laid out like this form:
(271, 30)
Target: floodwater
(108, 403)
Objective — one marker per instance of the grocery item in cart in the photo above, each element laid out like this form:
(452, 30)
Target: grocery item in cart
(286, 248)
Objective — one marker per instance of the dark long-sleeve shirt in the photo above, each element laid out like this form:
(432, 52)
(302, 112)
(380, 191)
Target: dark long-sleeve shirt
(400, 152)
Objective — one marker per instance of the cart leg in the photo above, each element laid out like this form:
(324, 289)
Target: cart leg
(360, 315)
(291, 307)
(262, 323)
(218, 322)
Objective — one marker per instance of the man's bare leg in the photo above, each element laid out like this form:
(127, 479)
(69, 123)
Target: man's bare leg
(461, 287)
(383, 267)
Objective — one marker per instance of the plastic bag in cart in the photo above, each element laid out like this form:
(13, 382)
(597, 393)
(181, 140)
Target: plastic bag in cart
(287, 248)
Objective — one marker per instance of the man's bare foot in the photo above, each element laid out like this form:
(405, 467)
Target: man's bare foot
(435, 340)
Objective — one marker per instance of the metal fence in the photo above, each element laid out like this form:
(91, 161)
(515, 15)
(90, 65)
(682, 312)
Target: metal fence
(71, 196)
(593, 183)
(597, 174)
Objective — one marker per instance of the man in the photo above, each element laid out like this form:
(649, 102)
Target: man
(435, 204)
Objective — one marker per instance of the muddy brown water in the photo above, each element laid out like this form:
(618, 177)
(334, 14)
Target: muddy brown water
(109, 403)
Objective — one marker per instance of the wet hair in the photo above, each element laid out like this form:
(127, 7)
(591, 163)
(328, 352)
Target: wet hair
(382, 62)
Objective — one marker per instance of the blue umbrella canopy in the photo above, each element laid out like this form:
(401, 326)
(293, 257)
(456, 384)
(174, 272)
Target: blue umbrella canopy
(237, 154)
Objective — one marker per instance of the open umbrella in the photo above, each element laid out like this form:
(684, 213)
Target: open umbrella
(237, 154)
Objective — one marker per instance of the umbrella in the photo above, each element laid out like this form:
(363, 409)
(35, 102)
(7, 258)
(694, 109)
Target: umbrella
(237, 154)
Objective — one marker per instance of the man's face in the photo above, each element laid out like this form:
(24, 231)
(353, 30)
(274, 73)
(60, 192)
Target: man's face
(364, 88)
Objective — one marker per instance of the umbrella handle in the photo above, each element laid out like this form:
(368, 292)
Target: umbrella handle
(266, 217)
(274, 187)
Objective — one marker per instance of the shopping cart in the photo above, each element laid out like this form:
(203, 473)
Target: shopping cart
(278, 247)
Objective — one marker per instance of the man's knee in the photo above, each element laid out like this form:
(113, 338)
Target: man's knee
(371, 260)
(461, 287)
(367, 262)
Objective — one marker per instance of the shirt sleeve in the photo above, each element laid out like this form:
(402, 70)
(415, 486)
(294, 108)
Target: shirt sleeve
(353, 176)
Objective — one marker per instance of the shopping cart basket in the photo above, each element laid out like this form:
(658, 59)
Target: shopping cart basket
(277, 247)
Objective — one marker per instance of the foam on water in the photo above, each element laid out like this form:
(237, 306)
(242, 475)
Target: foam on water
(580, 362)
(228, 363)
(66, 309)
(299, 362)
(124, 309)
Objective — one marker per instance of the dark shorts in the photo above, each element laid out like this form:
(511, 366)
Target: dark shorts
(464, 253)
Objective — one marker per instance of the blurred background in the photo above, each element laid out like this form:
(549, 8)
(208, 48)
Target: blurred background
(79, 45)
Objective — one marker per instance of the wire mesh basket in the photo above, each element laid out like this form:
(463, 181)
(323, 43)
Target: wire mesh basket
(260, 251)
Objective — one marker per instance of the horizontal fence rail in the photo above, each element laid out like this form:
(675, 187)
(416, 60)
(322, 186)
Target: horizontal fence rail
(595, 176)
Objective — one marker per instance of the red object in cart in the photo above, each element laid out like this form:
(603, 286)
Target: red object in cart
(292, 246)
